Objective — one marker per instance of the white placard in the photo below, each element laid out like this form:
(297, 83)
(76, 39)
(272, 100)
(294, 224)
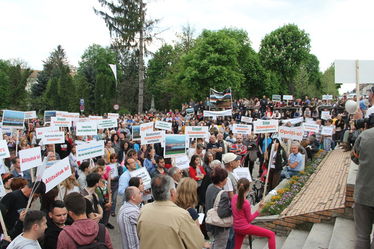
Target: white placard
(217, 113)
(56, 174)
(182, 162)
(60, 114)
(60, 122)
(325, 115)
(106, 123)
(287, 97)
(147, 127)
(292, 133)
(345, 71)
(246, 119)
(309, 127)
(293, 121)
(242, 173)
(30, 115)
(113, 170)
(53, 138)
(4, 151)
(2, 190)
(153, 137)
(310, 121)
(163, 125)
(90, 150)
(326, 97)
(242, 129)
(143, 173)
(30, 158)
(71, 115)
(93, 118)
(86, 129)
(113, 115)
(327, 130)
(41, 131)
(265, 126)
(197, 131)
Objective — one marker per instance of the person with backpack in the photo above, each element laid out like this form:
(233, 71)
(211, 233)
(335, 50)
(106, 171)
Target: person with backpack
(84, 233)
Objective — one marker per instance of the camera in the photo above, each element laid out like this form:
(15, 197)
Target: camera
(365, 122)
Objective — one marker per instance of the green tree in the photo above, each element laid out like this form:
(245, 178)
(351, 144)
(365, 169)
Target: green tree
(95, 79)
(328, 82)
(4, 84)
(282, 51)
(130, 31)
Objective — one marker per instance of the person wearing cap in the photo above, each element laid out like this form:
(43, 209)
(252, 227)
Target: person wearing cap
(231, 162)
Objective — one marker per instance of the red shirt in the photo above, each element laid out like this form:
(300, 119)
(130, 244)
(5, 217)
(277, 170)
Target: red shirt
(193, 174)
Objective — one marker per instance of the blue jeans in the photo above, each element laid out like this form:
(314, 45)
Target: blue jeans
(230, 241)
(288, 173)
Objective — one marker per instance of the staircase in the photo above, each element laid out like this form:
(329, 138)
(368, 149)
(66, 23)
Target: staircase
(320, 216)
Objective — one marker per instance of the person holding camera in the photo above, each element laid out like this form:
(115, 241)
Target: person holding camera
(364, 191)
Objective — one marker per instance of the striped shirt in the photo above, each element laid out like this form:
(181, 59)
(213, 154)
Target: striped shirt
(127, 221)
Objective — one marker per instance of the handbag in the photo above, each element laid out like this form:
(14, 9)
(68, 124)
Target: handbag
(212, 217)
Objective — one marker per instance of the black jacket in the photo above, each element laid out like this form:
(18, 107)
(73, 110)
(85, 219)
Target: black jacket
(51, 235)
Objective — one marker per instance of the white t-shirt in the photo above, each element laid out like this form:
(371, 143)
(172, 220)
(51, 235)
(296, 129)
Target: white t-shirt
(369, 111)
(228, 185)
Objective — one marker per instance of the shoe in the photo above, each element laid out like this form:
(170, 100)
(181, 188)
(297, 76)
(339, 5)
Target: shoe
(113, 214)
(110, 226)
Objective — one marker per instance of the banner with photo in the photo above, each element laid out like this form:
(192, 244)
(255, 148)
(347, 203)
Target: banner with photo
(220, 99)
(136, 133)
(30, 115)
(175, 145)
(48, 115)
(13, 119)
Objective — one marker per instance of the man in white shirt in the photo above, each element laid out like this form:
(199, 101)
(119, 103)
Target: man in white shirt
(371, 100)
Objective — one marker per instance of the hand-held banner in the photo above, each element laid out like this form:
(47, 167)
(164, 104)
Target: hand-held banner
(242, 129)
(292, 133)
(30, 158)
(152, 137)
(4, 151)
(90, 150)
(163, 125)
(56, 174)
(86, 128)
(143, 173)
(265, 126)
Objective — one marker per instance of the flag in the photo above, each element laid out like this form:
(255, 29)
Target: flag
(114, 70)
(220, 99)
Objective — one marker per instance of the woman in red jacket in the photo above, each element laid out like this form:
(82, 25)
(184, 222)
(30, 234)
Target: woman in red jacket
(196, 171)
(241, 211)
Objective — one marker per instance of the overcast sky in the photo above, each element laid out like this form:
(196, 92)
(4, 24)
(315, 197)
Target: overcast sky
(339, 29)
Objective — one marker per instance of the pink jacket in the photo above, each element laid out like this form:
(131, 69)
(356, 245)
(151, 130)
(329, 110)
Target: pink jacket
(81, 232)
(242, 217)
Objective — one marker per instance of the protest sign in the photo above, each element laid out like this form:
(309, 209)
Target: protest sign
(90, 150)
(93, 118)
(175, 145)
(190, 111)
(113, 115)
(325, 115)
(163, 125)
(147, 127)
(293, 121)
(61, 114)
(4, 151)
(42, 167)
(242, 173)
(275, 97)
(152, 137)
(292, 133)
(48, 115)
(106, 123)
(136, 133)
(113, 170)
(197, 131)
(143, 173)
(41, 131)
(2, 190)
(13, 119)
(242, 129)
(60, 122)
(220, 99)
(246, 119)
(287, 97)
(30, 158)
(310, 127)
(310, 121)
(327, 130)
(326, 97)
(30, 115)
(56, 174)
(265, 126)
(86, 128)
(182, 162)
(53, 138)
(217, 113)
(71, 115)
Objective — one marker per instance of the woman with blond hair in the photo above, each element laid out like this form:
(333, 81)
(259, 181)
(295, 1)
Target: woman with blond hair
(69, 185)
(187, 197)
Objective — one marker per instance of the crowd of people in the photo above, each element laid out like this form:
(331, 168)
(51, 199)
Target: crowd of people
(179, 207)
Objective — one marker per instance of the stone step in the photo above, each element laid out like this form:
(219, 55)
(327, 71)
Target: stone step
(295, 239)
(343, 235)
(319, 237)
(279, 242)
(257, 243)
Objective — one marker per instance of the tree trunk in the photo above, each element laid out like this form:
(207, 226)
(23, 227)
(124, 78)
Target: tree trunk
(141, 62)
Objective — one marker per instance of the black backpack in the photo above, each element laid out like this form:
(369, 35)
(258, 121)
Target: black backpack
(99, 242)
